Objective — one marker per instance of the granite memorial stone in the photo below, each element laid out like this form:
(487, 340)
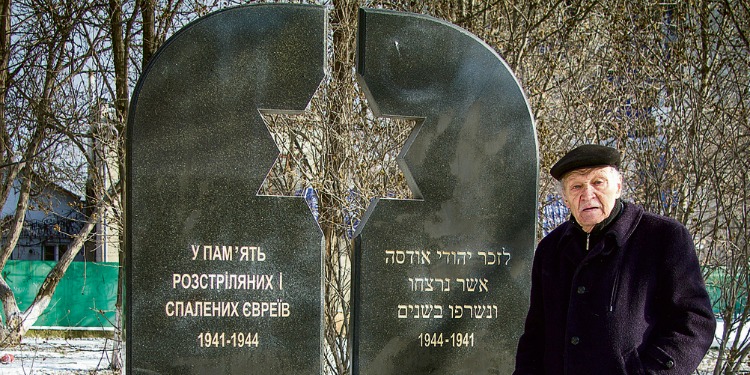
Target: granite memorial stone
(441, 282)
(221, 280)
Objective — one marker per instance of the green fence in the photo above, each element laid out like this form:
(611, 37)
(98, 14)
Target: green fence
(716, 281)
(85, 296)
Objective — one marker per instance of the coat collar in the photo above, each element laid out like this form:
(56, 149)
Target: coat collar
(625, 225)
(619, 230)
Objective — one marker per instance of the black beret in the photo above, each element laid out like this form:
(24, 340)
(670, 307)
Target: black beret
(585, 156)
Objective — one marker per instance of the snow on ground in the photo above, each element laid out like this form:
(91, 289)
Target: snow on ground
(720, 329)
(41, 356)
(59, 356)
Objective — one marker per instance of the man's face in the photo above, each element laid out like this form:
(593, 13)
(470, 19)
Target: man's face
(590, 194)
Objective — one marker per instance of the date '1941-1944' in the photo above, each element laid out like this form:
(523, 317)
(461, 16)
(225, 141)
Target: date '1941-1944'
(225, 339)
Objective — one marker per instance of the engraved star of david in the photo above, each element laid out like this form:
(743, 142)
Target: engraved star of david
(359, 151)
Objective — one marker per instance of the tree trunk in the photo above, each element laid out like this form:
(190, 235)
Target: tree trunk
(120, 45)
(19, 323)
(26, 176)
(6, 149)
(120, 53)
(149, 32)
(9, 333)
(44, 295)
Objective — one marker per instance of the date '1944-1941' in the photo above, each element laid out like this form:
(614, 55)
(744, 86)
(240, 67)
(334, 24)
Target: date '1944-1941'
(439, 339)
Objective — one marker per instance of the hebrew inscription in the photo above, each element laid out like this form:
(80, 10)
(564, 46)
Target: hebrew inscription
(223, 281)
(441, 282)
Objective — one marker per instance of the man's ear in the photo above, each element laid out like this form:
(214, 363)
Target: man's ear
(619, 186)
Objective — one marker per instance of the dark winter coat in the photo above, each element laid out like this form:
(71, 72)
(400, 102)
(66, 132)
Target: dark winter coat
(634, 303)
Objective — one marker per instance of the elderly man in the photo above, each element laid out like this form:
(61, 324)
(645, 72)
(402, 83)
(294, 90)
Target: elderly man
(615, 290)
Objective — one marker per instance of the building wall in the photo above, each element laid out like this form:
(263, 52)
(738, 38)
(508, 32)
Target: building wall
(50, 220)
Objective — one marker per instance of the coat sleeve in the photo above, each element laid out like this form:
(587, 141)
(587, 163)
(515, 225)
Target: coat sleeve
(686, 323)
(530, 352)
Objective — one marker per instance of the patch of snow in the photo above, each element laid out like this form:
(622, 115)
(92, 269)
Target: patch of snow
(59, 356)
(720, 331)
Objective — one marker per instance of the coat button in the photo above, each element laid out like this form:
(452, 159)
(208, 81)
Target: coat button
(575, 340)
(581, 289)
(670, 363)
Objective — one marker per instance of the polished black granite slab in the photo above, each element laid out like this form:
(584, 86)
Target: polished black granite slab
(221, 280)
(441, 282)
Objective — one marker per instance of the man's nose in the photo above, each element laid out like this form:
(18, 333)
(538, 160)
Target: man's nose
(588, 191)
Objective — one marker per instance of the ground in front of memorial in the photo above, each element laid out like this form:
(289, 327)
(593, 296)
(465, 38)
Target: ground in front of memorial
(44, 356)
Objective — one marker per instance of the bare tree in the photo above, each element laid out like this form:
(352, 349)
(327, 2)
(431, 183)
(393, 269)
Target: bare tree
(662, 82)
(711, 102)
(666, 83)
(347, 156)
(56, 75)
(42, 113)
(135, 32)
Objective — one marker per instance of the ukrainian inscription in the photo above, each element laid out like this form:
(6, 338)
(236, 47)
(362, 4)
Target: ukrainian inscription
(278, 308)
(228, 281)
(238, 288)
